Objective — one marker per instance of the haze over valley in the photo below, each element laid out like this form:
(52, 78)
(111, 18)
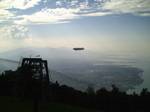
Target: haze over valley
(80, 69)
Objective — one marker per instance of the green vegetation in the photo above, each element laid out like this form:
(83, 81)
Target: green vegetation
(11, 104)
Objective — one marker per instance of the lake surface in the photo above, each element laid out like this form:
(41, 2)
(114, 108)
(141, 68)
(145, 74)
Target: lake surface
(139, 60)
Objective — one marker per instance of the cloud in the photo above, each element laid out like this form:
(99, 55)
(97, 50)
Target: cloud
(13, 32)
(24, 4)
(12, 36)
(18, 4)
(58, 15)
(6, 5)
(62, 11)
(136, 7)
(98, 14)
(5, 15)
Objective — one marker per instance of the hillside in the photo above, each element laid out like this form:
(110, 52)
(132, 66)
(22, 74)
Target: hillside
(11, 104)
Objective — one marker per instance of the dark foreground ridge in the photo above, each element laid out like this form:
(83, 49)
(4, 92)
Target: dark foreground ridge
(30, 83)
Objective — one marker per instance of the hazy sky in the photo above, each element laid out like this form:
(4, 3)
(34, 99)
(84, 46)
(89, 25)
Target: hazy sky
(100, 25)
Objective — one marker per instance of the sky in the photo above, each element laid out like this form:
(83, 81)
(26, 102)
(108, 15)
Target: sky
(98, 25)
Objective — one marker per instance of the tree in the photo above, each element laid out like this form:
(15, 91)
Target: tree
(145, 92)
(90, 90)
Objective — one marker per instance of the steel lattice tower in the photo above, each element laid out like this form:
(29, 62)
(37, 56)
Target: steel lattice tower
(36, 69)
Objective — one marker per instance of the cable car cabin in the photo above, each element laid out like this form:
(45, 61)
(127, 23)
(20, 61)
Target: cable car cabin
(78, 49)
